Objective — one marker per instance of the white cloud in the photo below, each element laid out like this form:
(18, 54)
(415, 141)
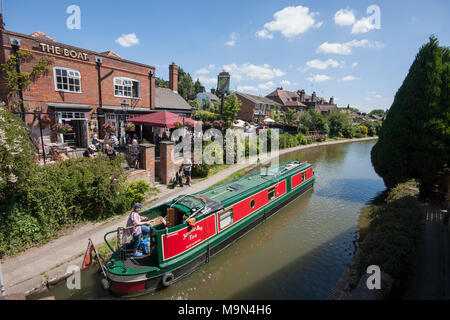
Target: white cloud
(346, 47)
(202, 71)
(204, 80)
(348, 78)
(344, 17)
(290, 21)
(232, 41)
(253, 72)
(211, 66)
(362, 26)
(266, 86)
(264, 34)
(322, 65)
(354, 64)
(128, 40)
(247, 88)
(285, 83)
(378, 96)
(319, 78)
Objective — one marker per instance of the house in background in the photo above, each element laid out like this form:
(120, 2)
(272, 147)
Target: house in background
(256, 108)
(288, 99)
(300, 101)
(207, 98)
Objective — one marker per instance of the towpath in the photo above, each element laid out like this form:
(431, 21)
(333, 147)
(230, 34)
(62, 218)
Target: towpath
(430, 279)
(37, 267)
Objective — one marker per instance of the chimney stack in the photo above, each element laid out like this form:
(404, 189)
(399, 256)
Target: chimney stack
(332, 100)
(173, 77)
(213, 91)
(313, 97)
(302, 95)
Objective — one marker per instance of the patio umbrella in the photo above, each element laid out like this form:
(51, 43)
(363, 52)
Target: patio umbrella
(162, 119)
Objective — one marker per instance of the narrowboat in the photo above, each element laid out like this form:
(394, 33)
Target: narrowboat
(190, 229)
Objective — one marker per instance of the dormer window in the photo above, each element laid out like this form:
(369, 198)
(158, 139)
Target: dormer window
(126, 87)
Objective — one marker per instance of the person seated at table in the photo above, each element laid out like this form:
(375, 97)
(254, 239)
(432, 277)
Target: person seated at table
(97, 142)
(110, 152)
(138, 226)
(58, 155)
(90, 152)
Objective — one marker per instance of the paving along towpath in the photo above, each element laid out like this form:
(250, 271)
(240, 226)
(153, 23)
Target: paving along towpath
(33, 269)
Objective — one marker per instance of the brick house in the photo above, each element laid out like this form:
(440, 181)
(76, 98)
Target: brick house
(300, 101)
(256, 108)
(85, 88)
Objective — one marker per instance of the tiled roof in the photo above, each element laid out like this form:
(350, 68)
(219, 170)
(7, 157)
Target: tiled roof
(258, 99)
(111, 53)
(327, 107)
(41, 35)
(289, 98)
(167, 99)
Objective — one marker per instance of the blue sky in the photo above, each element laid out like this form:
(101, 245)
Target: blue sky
(332, 47)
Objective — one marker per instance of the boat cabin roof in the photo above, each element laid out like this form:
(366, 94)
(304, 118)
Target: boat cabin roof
(224, 192)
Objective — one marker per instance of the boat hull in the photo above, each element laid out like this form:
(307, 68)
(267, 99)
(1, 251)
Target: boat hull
(137, 285)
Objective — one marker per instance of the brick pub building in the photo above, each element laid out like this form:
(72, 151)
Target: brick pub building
(85, 88)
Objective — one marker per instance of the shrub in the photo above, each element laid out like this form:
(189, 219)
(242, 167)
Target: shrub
(394, 232)
(358, 135)
(200, 170)
(136, 191)
(55, 196)
(301, 139)
(362, 129)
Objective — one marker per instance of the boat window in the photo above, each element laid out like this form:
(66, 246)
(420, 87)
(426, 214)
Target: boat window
(303, 176)
(271, 193)
(226, 218)
(252, 203)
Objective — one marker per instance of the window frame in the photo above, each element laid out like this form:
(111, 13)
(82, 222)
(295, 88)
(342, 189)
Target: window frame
(271, 189)
(68, 77)
(229, 214)
(126, 86)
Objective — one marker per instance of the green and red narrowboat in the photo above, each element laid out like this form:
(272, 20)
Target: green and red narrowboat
(188, 230)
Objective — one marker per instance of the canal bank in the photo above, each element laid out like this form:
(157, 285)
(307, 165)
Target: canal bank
(38, 267)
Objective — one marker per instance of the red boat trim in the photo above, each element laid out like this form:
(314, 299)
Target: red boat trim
(126, 288)
(177, 242)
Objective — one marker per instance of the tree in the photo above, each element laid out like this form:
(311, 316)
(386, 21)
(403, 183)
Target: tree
(414, 140)
(17, 81)
(197, 86)
(231, 107)
(340, 124)
(185, 84)
(377, 112)
(290, 115)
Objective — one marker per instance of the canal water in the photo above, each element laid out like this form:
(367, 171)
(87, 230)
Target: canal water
(299, 253)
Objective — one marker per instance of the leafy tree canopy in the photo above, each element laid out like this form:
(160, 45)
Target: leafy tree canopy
(414, 140)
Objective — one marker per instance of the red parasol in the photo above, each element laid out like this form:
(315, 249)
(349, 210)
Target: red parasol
(163, 119)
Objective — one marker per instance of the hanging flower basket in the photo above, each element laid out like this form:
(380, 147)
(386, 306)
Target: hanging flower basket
(45, 120)
(129, 126)
(178, 124)
(108, 127)
(61, 128)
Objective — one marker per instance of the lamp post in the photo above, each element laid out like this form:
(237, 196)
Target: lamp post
(37, 113)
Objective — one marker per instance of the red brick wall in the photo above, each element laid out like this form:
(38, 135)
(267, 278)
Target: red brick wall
(247, 109)
(43, 90)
